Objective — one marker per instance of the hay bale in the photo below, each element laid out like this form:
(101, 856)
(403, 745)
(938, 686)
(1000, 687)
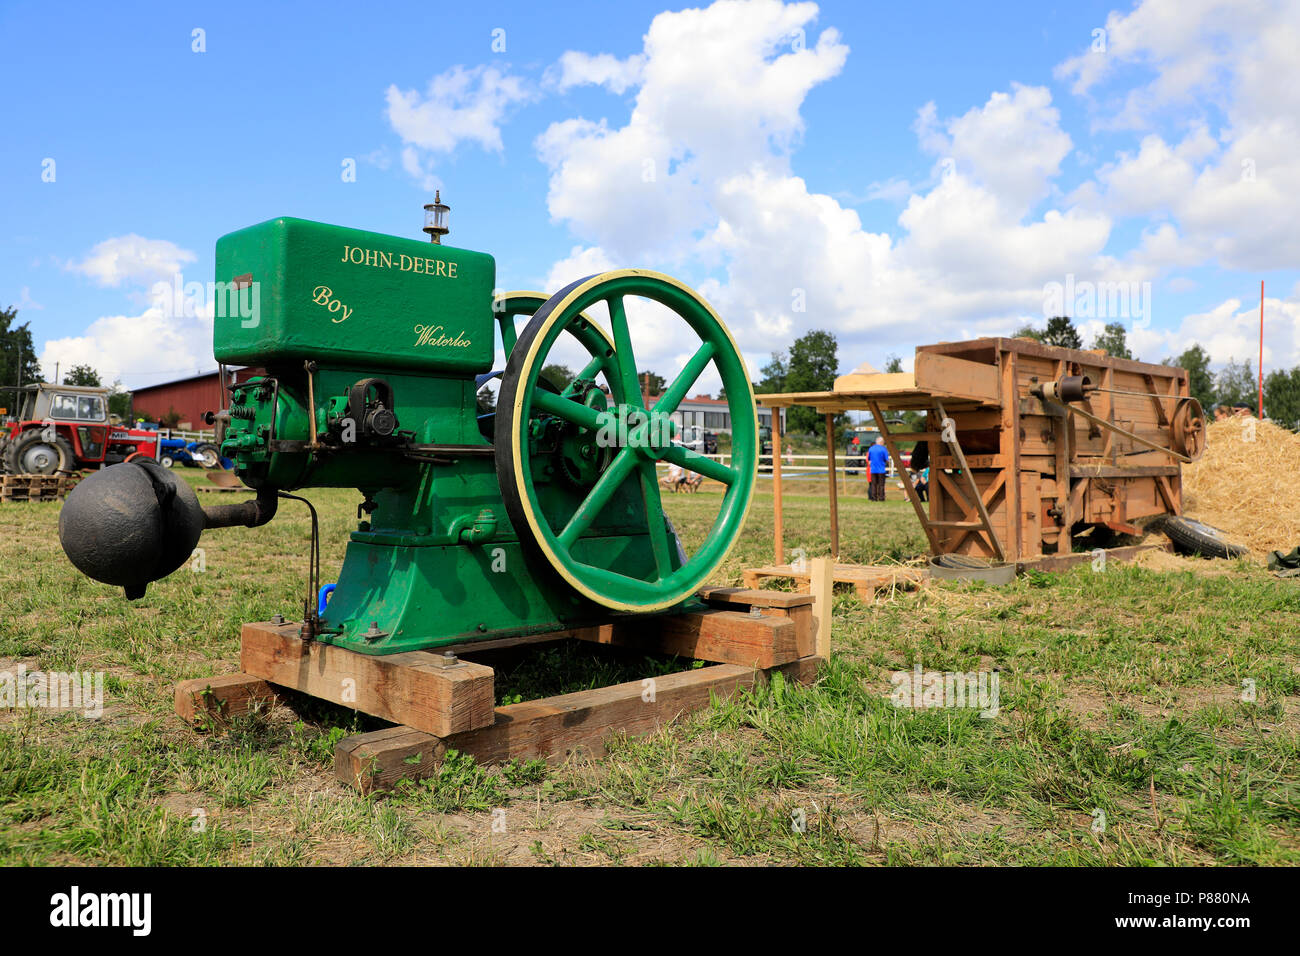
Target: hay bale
(1247, 484)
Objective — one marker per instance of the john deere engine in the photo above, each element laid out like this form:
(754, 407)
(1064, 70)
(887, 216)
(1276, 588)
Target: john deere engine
(542, 514)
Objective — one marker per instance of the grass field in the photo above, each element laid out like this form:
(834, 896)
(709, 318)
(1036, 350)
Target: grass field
(1122, 736)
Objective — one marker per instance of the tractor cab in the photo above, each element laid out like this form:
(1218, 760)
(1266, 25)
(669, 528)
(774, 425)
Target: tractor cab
(63, 428)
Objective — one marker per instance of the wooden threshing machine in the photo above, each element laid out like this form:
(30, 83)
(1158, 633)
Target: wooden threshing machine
(1028, 443)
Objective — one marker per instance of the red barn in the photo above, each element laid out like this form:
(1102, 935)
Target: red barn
(188, 397)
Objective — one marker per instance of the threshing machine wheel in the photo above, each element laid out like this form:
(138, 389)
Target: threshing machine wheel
(643, 437)
(1188, 428)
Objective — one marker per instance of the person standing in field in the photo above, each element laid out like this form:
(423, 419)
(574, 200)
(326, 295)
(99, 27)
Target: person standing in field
(878, 461)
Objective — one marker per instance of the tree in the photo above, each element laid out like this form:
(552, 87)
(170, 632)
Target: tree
(1061, 332)
(810, 367)
(16, 343)
(1113, 340)
(1236, 384)
(651, 383)
(557, 375)
(1200, 382)
(1282, 397)
(1029, 332)
(774, 373)
(893, 364)
(82, 375)
(119, 402)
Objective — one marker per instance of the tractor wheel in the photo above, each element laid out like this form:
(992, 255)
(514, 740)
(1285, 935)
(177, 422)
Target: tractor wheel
(208, 454)
(1192, 537)
(631, 438)
(166, 460)
(31, 454)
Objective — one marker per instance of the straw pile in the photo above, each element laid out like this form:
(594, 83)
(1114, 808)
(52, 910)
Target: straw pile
(1250, 490)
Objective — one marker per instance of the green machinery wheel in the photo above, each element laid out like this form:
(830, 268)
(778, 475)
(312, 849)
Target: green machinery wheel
(634, 437)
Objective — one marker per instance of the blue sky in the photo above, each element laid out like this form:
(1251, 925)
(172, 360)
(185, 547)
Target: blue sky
(920, 172)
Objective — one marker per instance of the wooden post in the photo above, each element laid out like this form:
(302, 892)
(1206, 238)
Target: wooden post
(834, 488)
(822, 585)
(778, 535)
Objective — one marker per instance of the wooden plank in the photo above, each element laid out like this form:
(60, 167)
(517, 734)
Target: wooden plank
(1060, 562)
(218, 699)
(553, 728)
(414, 688)
(822, 587)
(729, 637)
(948, 377)
(1122, 471)
(778, 517)
(750, 597)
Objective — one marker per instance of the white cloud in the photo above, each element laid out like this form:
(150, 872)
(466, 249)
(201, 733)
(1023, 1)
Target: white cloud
(132, 259)
(716, 116)
(604, 69)
(138, 349)
(459, 106)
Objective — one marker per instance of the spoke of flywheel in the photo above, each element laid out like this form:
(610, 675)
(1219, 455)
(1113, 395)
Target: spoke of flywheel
(588, 371)
(574, 412)
(624, 357)
(675, 392)
(654, 513)
(613, 476)
(693, 461)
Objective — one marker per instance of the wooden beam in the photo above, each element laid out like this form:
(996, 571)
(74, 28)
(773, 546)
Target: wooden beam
(729, 637)
(1010, 438)
(552, 728)
(835, 505)
(218, 699)
(416, 688)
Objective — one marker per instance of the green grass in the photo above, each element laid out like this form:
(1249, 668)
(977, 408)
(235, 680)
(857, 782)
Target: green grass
(1121, 695)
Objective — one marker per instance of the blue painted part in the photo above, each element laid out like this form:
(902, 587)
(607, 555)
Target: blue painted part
(322, 600)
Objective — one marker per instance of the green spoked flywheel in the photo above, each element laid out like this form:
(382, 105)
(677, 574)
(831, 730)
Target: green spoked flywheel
(632, 439)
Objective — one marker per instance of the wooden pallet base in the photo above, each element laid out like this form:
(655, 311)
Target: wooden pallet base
(35, 487)
(553, 728)
(445, 701)
(866, 579)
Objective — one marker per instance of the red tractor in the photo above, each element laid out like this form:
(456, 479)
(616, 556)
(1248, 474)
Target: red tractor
(49, 429)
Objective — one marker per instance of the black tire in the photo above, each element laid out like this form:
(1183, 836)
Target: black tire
(1193, 537)
(31, 454)
(166, 460)
(208, 454)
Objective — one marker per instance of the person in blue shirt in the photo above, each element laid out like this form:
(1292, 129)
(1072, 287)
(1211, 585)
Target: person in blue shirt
(878, 461)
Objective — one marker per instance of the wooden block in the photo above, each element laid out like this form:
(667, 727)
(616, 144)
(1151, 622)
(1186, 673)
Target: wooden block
(729, 637)
(550, 729)
(221, 698)
(413, 688)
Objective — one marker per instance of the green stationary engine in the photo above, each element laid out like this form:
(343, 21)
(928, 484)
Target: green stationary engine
(542, 514)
